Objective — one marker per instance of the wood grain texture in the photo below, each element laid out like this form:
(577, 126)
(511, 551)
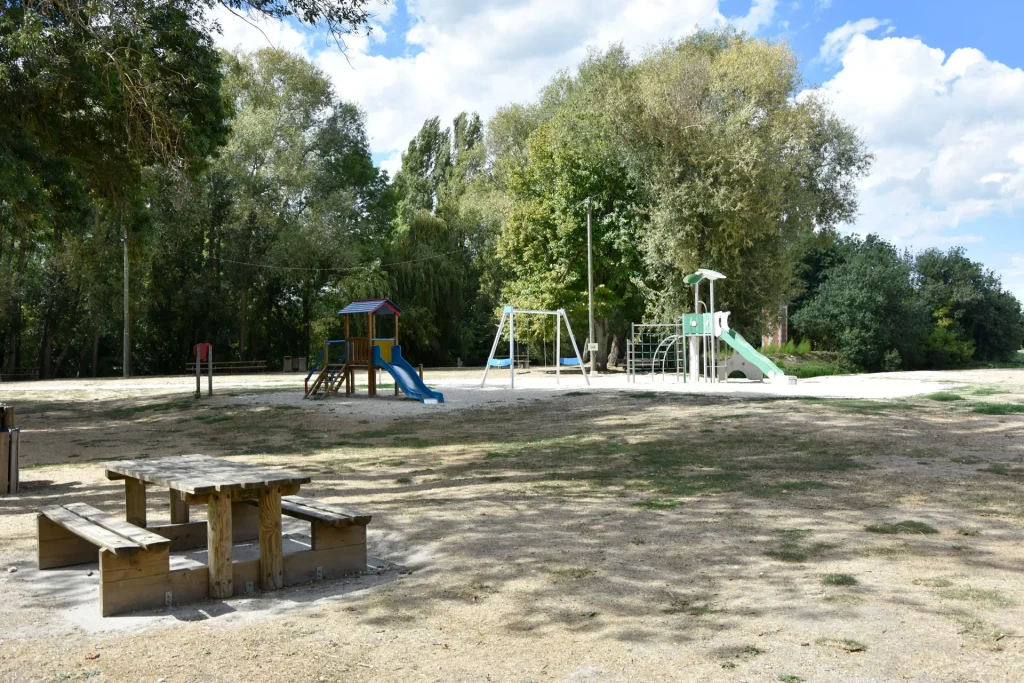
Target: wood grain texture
(334, 564)
(188, 585)
(357, 517)
(186, 536)
(271, 562)
(324, 514)
(199, 474)
(145, 563)
(179, 508)
(144, 538)
(58, 547)
(237, 495)
(245, 521)
(218, 545)
(94, 533)
(135, 502)
(130, 595)
(325, 537)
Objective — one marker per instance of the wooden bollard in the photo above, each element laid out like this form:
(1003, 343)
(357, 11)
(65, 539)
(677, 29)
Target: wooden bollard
(421, 371)
(7, 420)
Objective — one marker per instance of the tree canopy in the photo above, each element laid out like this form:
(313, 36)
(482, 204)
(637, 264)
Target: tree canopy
(246, 193)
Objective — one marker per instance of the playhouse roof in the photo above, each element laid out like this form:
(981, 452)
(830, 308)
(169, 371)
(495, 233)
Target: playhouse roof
(372, 306)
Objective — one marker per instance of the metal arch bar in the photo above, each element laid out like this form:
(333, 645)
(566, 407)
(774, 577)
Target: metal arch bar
(572, 338)
(494, 347)
(667, 344)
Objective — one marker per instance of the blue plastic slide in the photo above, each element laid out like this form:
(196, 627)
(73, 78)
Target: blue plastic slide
(406, 377)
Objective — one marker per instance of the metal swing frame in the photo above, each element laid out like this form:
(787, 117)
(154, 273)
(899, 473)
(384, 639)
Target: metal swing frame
(509, 314)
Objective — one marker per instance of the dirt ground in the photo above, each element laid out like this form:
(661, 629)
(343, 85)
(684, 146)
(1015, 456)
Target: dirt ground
(648, 532)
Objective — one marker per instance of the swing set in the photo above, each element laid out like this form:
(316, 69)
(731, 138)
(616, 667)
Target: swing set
(518, 359)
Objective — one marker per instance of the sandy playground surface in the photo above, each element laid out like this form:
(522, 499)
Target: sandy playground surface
(628, 532)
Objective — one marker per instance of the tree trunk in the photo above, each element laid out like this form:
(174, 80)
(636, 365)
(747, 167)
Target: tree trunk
(95, 353)
(601, 333)
(16, 305)
(46, 345)
(243, 327)
(60, 358)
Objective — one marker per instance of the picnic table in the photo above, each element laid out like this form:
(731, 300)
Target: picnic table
(216, 483)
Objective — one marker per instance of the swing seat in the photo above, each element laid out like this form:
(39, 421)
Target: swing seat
(500, 362)
(569, 361)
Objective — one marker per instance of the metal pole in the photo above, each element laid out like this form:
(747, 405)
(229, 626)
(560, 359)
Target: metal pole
(714, 338)
(512, 349)
(494, 347)
(558, 349)
(126, 355)
(590, 288)
(572, 338)
(695, 339)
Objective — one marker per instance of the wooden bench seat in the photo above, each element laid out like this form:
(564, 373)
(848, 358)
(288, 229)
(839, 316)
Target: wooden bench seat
(134, 563)
(95, 527)
(337, 535)
(310, 510)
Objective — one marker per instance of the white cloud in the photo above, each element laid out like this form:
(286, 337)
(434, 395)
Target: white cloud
(477, 55)
(761, 14)
(253, 33)
(835, 43)
(947, 132)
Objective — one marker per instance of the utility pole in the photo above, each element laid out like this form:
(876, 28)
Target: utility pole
(126, 354)
(590, 290)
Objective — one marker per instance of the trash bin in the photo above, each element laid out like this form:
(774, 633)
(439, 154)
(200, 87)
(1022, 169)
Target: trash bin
(286, 366)
(302, 363)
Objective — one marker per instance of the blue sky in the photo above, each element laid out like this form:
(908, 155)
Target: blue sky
(935, 88)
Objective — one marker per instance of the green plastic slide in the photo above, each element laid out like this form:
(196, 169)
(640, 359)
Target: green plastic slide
(743, 347)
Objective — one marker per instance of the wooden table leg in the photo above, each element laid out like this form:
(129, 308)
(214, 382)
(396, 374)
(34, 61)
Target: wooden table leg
(218, 539)
(135, 502)
(179, 509)
(271, 556)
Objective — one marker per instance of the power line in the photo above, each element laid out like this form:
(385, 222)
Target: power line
(334, 270)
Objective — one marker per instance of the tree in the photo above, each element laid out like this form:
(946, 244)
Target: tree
(572, 157)
(435, 240)
(744, 172)
(698, 155)
(260, 252)
(971, 308)
(869, 310)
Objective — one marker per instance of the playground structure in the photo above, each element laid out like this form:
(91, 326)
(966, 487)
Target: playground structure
(517, 359)
(341, 358)
(691, 347)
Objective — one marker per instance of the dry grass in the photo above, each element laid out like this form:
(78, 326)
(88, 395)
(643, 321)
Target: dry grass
(610, 537)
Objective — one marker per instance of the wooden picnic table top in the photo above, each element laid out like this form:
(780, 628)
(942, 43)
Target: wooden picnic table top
(200, 474)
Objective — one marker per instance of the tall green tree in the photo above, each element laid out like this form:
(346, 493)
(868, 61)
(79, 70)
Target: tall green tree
(260, 252)
(970, 307)
(744, 172)
(869, 310)
(435, 240)
(701, 154)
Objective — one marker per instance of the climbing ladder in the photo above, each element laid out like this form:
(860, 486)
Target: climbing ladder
(330, 376)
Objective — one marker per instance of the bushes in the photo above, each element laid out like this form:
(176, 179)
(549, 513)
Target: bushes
(883, 310)
(868, 310)
(789, 348)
